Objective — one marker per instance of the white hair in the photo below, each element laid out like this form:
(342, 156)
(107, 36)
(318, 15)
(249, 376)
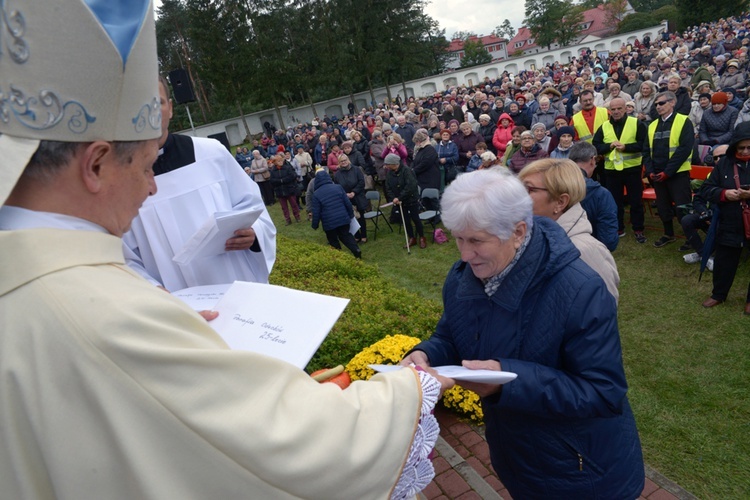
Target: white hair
(491, 200)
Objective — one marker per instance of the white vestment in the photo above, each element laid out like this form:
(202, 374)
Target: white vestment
(186, 197)
(111, 388)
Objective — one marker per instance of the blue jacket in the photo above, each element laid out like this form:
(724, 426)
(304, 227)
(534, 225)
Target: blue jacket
(601, 210)
(449, 151)
(330, 204)
(564, 427)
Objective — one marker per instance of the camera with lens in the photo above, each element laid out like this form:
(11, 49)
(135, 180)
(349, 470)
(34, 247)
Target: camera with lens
(706, 216)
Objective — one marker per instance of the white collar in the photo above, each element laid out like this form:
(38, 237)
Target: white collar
(14, 218)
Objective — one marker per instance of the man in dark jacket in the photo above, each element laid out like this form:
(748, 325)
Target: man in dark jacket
(621, 138)
(666, 155)
(406, 130)
(331, 206)
(683, 101)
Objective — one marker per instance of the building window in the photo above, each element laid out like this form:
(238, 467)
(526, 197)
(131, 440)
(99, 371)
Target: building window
(518, 45)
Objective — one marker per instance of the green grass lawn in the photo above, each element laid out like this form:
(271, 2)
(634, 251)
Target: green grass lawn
(687, 366)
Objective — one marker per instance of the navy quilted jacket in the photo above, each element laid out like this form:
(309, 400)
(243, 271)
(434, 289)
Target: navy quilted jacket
(330, 204)
(564, 427)
(717, 128)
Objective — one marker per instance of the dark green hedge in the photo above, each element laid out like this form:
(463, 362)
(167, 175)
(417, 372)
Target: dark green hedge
(377, 307)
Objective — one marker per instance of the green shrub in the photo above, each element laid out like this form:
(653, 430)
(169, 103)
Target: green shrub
(377, 307)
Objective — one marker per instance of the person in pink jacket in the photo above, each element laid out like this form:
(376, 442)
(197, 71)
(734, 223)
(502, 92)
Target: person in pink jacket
(333, 159)
(396, 146)
(503, 133)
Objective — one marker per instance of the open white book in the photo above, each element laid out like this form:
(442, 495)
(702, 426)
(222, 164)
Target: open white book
(276, 321)
(210, 239)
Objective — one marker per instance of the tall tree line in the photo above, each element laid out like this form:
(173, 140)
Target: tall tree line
(246, 55)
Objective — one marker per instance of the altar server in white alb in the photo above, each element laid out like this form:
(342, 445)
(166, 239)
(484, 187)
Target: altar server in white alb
(109, 387)
(197, 177)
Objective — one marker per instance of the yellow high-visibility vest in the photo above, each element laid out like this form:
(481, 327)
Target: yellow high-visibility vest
(674, 138)
(582, 128)
(628, 136)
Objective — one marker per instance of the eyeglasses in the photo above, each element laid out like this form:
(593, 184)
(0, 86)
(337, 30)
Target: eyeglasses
(660, 103)
(534, 189)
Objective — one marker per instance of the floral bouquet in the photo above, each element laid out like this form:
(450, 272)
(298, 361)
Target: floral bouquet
(391, 350)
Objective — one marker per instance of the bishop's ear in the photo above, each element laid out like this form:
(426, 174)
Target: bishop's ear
(93, 162)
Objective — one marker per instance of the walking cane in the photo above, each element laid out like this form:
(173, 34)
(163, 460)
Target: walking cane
(403, 221)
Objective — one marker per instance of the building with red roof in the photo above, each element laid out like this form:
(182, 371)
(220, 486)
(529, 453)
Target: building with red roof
(495, 45)
(593, 27)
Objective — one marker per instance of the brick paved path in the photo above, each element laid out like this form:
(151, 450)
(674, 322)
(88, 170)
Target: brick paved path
(463, 470)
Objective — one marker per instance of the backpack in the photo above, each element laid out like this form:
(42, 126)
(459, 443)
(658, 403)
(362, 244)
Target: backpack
(440, 237)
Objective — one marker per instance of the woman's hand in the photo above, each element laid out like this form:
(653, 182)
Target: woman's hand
(482, 390)
(418, 358)
(736, 194)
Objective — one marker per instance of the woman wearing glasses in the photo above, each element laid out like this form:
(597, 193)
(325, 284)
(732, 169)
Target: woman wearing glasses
(530, 151)
(557, 188)
(728, 188)
(521, 300)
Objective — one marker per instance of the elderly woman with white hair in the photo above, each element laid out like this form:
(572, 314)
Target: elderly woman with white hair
(644, 101)
(544, 115)
(521, 300)
(487, 130)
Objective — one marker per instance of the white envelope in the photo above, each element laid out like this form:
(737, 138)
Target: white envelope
(460, 373)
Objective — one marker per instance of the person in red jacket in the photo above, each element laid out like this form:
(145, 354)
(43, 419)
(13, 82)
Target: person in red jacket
(503, 133)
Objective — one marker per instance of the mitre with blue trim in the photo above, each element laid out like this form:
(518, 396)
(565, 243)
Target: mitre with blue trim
(74, 71)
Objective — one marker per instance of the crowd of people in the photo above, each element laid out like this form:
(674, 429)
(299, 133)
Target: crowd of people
(651, 111)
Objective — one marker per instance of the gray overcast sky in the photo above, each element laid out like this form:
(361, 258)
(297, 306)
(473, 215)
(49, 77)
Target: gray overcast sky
(479, 16)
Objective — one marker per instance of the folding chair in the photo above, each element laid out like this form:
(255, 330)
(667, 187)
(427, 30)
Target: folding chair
(374, 197)
(430, 216)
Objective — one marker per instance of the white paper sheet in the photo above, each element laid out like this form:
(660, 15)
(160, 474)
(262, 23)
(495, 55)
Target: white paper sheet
(354, 226)
(204, 297)
(460, 373)
(280, 322)
(210, 239)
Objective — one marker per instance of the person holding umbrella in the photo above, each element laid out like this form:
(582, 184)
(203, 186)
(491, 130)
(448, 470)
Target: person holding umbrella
(401, 187)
